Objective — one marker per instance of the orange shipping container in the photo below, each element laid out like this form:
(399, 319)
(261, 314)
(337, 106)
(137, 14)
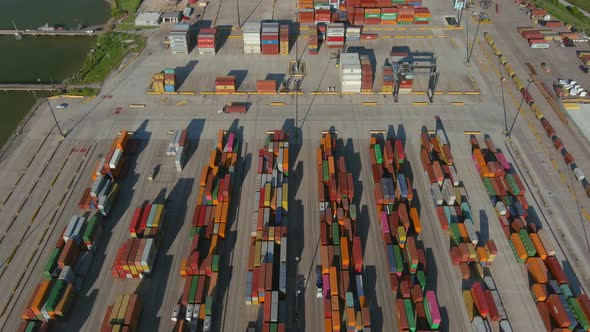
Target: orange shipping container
(331, 168)
(416, 219)
(538, 245)
(350, 317)
(539, 292)
(42, 293)
(327, 324)
(537, 269)
(121, 141)
(344, 252)
(333, 281)
(479, 157)
(519, 246)
(336, 320)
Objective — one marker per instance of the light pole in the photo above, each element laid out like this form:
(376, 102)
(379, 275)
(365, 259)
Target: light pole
(54, 118)
(469, 53)
(502, 79)
(519, 108)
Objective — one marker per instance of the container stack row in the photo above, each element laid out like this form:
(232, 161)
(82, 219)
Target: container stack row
(266, 86)
(178, 147)
(164, 81)
(123, 315)
(346, 307)
(251, 31)
(313, 45)
(63, 274)
(350, 72)
(388, 79)
(201, 268)
(270, 39)
(558, 305)
(206, 41)
(534, 37)
(104, 190)
(284, 39)
(366, 74)
(390, 15)
(225, 84)
(335, 35)
(472, 256)
(266, 279)
(416, 307)
(135, 258)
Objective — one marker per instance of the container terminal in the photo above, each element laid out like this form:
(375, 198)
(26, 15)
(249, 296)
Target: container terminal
(310, 166)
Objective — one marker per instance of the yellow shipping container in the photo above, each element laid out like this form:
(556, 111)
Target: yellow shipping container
(468, 303)
(158, 77)
(116, 308)
(123, 308)
(267, 194)
(257, 247)
(285, 199)
(158, 216)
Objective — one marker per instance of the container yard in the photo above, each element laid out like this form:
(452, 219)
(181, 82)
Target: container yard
(139, 201)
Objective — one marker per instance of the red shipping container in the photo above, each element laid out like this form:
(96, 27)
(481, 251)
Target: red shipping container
(556, 270)
(557, 311)
(494, 315)
(545, 316)
(357, 254)
(479, 299)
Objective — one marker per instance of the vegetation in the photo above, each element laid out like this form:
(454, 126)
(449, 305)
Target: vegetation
(86, 92)
(582, 4)
(110, 50)
(120, 7)
(567, 14)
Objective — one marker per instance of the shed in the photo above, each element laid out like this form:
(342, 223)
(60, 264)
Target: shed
(148, 19)
(171, 17)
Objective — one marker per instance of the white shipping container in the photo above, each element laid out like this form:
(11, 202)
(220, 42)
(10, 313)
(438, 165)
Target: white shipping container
(70, 228)
(436, 194)
(284, 249)
(579, 174)
(114, 162)
(471, 231)
(505, 326)
(499, 304)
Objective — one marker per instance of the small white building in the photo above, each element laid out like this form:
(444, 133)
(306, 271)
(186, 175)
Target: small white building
(171, 17)
(148, 19)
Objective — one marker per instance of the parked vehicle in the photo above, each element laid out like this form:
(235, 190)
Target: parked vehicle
(584, 69)
(62, 106)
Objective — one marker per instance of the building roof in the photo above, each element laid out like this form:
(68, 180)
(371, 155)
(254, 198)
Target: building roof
(171, 15)
(148, 16)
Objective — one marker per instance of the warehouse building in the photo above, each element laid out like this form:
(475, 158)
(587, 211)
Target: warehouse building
(148, 19)
(171, 17)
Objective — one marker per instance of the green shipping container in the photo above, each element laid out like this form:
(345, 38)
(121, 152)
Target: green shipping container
(91, 230)
(512, 184)
(397, 253)
(195, 231)
(566, 291)
(579, 313)
(528, 244)
(372, 15)
(326, 170)
(193, 290)
(349, 300)
(54, 295)
(410, 314)
(378, 154)
(421, 278)
(508, 200)
(31, 326)
(169, 71)
(421, 19)
(335, 234)
(273, 327)
(215, 189)
(455, 234)
(487, 183)
(208, 305)
(215, 263)
(352, 211)
(51, 263)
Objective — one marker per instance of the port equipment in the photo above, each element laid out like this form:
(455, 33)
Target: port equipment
(409, 69)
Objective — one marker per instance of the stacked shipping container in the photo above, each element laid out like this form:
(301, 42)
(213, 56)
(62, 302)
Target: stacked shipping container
(345, 304)
(284, 39)
(123, 315)
(266, 279)
(366, 74)
(335, 35)
(530, 245)
(200, 269)
(270, 39)
(225, 84)
(454, 213)
(206, 41)
(400, 227)
(164, 81)
(266, 86)
(178, 147)
(313, 40)
(135, 258)
(350, 72)
(251, 33)
(387, 77)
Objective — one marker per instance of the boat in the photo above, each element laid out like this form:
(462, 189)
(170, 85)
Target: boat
(46, 27)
